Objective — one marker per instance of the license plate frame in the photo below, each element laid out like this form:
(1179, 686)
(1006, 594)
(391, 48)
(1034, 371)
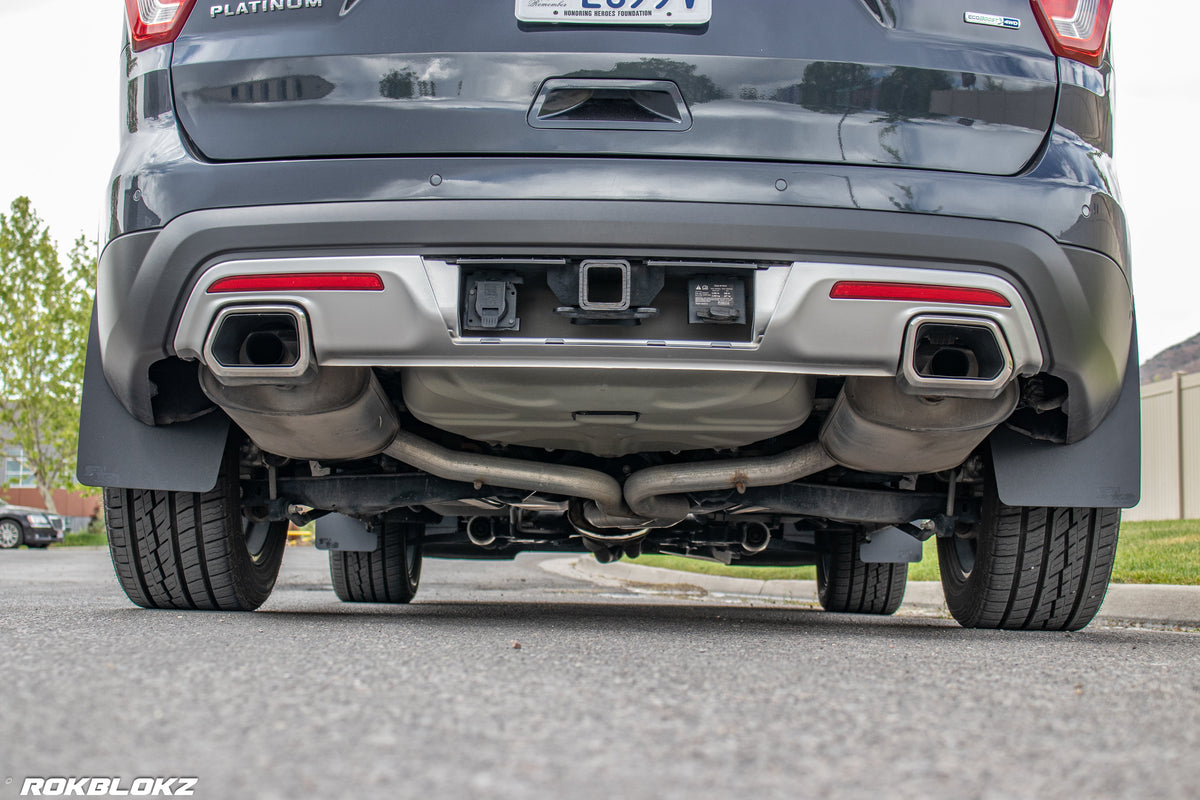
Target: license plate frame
(604, 12)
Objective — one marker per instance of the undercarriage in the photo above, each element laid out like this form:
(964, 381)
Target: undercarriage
(741, 511)
(645, 448)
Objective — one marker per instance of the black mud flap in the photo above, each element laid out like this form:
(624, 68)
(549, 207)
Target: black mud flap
(1102, 471)
(116, 450)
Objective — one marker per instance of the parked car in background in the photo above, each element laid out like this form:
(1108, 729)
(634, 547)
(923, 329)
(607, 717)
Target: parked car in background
(761, 281)
(34, 527)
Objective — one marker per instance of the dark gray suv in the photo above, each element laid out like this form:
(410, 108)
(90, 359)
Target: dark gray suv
(761, 281)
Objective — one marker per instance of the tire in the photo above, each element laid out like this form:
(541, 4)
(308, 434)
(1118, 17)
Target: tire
(193, 550)
(847, 585)
(11, 534)
(1029, 567)
(390, 574)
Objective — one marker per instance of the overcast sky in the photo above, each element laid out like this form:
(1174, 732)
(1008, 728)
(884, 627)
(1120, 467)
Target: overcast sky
(58, 136)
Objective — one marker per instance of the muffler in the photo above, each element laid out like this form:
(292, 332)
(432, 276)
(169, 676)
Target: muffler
(340, 413)
(876, 426)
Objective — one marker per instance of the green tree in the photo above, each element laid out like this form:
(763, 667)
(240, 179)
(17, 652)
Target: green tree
(45, 311)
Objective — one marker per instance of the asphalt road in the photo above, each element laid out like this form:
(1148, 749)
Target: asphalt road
(610, 694)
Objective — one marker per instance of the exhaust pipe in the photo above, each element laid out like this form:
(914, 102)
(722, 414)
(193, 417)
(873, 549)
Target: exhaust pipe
(877, 425)
(481, 531)
(343, 413)
(249, 343)
(956, 357)
(269, 348)
(511, 473)
(657, 493)
(756, 537)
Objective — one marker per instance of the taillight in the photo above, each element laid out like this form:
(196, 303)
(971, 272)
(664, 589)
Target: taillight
(1075, 29)
(155, 22)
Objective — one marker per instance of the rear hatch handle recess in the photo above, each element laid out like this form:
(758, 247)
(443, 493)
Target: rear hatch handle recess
(608, 104)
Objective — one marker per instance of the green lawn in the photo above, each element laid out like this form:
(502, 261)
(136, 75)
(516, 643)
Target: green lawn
(1159, 552)
(1149, 552)
(84, 539)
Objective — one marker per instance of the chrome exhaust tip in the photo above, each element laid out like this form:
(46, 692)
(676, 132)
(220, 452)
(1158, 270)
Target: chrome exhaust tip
(955, 357)
(756, 537)
(256, 342)
(481, 531)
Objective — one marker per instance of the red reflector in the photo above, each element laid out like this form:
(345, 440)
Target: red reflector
(921, 292)
(1075, 29)
(155, 22)
(300, 282)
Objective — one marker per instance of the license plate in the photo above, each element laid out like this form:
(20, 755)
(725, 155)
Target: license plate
(616, 12)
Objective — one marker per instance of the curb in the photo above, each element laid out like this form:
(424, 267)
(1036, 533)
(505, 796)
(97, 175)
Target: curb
(1172, 606)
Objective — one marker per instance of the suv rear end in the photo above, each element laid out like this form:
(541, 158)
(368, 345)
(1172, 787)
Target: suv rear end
(766, 282)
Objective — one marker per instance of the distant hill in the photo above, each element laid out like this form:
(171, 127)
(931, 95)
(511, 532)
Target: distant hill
(1183, 357)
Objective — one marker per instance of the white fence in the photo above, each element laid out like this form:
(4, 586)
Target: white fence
(1170, 450)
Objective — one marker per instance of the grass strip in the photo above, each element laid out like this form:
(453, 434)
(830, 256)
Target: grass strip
(1148, 553)
(1159, 552)
(84, 539)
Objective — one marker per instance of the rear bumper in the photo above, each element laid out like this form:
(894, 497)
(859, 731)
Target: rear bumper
(1071, 314)
(415, 321)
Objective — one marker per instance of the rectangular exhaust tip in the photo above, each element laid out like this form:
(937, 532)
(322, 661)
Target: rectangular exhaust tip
(956, 357)
(259, 342)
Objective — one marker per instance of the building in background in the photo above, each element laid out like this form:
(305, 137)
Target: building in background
(18, 488)
(1170, 449)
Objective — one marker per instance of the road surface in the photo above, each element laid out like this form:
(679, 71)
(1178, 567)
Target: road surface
(505, 681)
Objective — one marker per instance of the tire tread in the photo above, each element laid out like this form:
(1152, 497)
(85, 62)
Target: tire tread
(1038, 568)
(849, 585)
(381, 576)
(176, 550)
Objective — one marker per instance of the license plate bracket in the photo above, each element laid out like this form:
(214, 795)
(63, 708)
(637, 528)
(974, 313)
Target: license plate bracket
(615, 12)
